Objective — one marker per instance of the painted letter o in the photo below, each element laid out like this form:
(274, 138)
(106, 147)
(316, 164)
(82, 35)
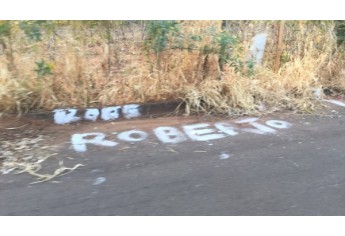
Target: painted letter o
(128, 136)
(279, 124)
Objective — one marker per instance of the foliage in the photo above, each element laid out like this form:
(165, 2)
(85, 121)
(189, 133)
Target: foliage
(4, 28)
(33, 28)
(43, 68)
(340, 31)
(159, 33)
(225, 43)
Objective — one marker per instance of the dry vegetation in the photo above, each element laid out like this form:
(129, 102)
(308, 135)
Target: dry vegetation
(85, 64)
(26, 155)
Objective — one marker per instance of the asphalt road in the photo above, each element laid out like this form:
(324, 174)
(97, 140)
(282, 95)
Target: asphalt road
(297, 171)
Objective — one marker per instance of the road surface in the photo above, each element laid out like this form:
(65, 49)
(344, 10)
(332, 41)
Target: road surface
(295, 170)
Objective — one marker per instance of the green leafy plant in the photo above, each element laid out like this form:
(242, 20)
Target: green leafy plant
(159, 34)
(4, 28)
(33, 28)
(43, 68)
(225, 43)
(250, 66)
(4, 32)
(340, 31)
(6, 43)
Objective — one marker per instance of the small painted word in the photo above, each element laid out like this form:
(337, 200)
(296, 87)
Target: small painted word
(65, 116)
(173, 135)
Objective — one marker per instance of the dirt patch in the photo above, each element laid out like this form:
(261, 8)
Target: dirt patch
(12, 127)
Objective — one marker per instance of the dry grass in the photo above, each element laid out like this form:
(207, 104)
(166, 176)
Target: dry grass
(291, 88)
(27, 155)
(333, 73)
(89, 70)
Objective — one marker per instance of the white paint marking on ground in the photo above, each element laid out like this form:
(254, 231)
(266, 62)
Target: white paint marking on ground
(224, 156)
(64, 116)
(279, 124)
(128, 136)
(91, 114)
(260, 129)
(79, 141)
(197, 132)
(131, 111)
(111, 113)
(169, 135)
(226, 128)
(166, 134)
(99, 180)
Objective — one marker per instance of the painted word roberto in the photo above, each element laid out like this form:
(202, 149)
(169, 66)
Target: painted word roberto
(65, 116)
(194, 132)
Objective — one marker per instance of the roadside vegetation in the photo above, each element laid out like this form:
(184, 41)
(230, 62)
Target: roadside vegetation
(54, 64)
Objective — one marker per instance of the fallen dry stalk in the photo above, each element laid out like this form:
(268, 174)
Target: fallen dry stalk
(26, 155)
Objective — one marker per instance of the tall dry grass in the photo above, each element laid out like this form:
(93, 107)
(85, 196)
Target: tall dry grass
(309, 51)
(95, 67)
